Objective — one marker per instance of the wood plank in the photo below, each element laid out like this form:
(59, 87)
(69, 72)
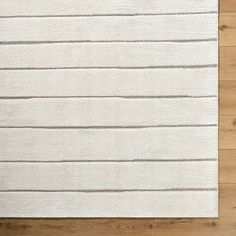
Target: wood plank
(227, 131)
(228, 122)
(153, 204)
(108, 144)
(108, 55)
(227, 205)
(227, 29)
(108, 112)
(85, 7)
(227, 91)
(227, 6)
(227, 119)
(227, 63)
(227, 139)
(150, 82)
(115, 227)
(228, 166)
(103, 176)
(227, 155)
(141, 28)
(228, 96)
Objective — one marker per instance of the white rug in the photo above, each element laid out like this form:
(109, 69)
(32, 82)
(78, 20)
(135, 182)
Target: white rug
(108, 108)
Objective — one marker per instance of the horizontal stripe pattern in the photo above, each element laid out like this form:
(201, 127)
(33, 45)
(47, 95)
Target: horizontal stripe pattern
(109, 108)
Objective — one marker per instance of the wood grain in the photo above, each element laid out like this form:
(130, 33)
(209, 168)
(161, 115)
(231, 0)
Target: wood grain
(227, 29)
(228, 166)
(228, 123)
(116, 227)
(227, 101)
(227, 63)
(227, 6)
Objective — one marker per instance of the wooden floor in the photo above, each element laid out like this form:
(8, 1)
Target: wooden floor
(224, 226)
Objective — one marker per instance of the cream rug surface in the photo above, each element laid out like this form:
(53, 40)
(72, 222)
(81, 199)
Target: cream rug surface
(108, 108)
